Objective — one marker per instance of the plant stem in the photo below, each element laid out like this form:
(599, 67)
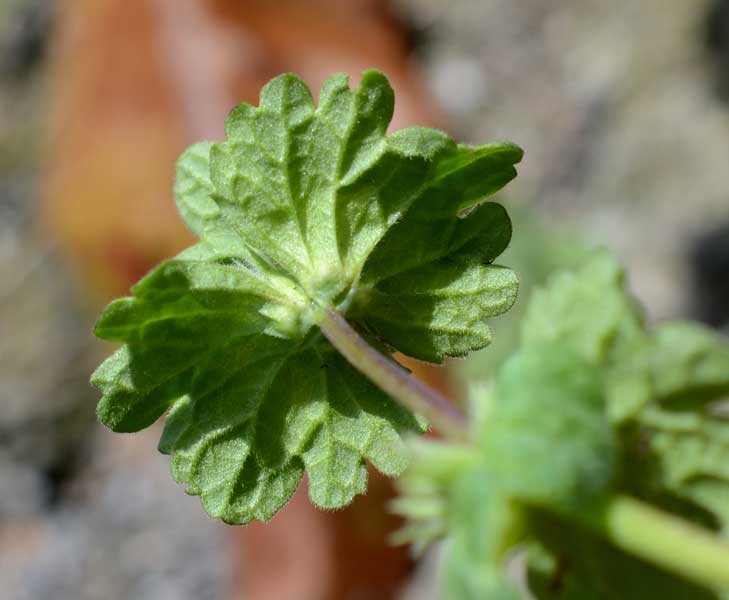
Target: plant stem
(665, 541)
(394, 379)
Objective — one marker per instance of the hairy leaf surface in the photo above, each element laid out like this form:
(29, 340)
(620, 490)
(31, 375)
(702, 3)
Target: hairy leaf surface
(304, 208)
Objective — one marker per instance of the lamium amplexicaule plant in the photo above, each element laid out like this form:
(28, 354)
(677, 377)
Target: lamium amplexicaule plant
(596, 464)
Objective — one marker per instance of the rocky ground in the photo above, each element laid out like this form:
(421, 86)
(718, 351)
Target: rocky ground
(620, 108)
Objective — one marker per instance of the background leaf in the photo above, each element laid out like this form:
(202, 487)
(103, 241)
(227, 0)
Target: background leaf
(547, 437)
(666, 388)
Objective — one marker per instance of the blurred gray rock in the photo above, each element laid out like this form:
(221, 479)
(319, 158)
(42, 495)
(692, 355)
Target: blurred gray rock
(125, 530)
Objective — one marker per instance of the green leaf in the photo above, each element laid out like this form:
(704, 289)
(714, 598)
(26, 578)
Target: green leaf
(193, 188)
(193, 192)
(183, 317)
(688, 362)
(313, 191)
(251, 410)
(244, 443)
(587, 310)
(687, 431)
(289, 209)
(441, 308)
(547, 437)
(435, 227)
(665, 389)
(691, 455)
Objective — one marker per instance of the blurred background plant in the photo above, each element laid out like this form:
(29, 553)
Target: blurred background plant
(621, 107)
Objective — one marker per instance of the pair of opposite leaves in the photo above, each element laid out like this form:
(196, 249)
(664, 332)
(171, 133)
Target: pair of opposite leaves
(301, 209)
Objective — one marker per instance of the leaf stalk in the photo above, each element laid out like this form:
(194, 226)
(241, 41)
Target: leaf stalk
(394, 379)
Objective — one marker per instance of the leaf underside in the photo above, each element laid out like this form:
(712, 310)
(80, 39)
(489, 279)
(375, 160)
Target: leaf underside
(305, 207)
